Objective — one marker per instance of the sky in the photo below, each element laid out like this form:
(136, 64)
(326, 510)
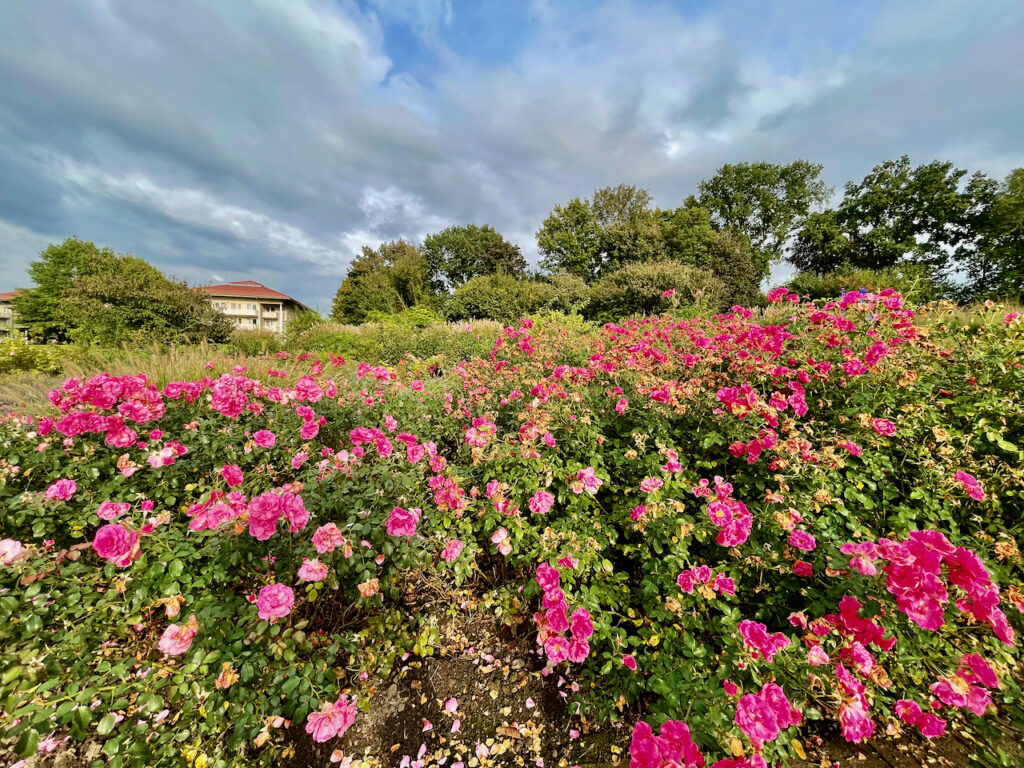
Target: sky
(271, 140)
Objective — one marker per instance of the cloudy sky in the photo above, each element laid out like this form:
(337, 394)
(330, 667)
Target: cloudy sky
(271, 139)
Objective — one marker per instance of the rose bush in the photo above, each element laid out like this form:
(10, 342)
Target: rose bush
(722, 528)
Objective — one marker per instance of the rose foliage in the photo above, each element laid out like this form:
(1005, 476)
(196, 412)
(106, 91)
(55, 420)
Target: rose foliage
(718, 528)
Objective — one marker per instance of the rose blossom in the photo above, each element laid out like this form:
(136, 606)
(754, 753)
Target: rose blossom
(403, 522)
(452, 550)
(117, 544)
(62, 490)
(264, 438)
(9, 550)
(177, 638)
(313, 570)
(540, 502)
(331, 720)
(232, 474)
(275, 601)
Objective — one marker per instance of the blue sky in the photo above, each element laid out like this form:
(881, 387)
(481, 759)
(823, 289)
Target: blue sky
(272, 139)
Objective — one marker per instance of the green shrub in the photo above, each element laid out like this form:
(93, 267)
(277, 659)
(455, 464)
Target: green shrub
(16, 354)
(641, 289)
(499, 297)
(256, 342)
(304, 320)
(915, 281)
(570, 293)
(419, 316)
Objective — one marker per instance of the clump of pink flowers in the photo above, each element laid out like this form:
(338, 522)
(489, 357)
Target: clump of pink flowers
(331, 720)
(673, 747)
(554, 621)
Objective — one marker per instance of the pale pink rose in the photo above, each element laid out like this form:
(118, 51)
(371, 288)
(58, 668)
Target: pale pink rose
(313, 570)
(452, 550)
(177, 638)
(10, 549)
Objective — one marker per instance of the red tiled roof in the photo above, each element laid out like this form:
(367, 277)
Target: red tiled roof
(9, 295)
(246, 289)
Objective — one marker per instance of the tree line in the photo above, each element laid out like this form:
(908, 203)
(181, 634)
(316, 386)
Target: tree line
(929, 230)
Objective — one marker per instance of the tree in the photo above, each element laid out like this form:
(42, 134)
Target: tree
(498, 297)
(993, 260)
(389, 279)
(458, 254)
(690, 237)
(590, 238)
(822, 245)
(901, 213)
(767, 202)
(53, 273)
(94, 296)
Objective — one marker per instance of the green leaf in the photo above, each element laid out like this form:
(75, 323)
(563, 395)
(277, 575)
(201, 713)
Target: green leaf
(28, 744)
(106, 725)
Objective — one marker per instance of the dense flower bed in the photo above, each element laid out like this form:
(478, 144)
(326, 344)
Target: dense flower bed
(722, 528)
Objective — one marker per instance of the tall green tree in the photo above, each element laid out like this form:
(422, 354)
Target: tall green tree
(690, 237)
(127, 300)
(904, 213)
(766, 202)
(53, 273)
(458, 254)
(993, 259)
(92, 295)
(591, 238)
(389, 279)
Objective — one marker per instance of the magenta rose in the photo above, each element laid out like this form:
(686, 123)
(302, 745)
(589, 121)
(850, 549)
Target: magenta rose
(232, 475)
(264, 438)
(62, 490)
(117, 544)
(275, 601)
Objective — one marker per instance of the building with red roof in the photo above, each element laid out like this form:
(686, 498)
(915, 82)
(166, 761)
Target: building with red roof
(252, 306)
(8, 317)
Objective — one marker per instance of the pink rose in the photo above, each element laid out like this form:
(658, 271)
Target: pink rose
(275, 601)
(327, 538)
(884, 427)
(177, 638)
(313, 570)
(802, 540)
(403, 522)
(111, 510)
(62, 490)
(581, 624)
(540, 502)
(264, 438)
(331, 720)
(10, 549)
(117, 544)
(630, 662)
(232, 474)
(452, 550)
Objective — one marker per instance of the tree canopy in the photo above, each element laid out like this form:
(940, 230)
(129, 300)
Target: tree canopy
(766, 202)
(458, 254)
(92, 295)
(591, 238)
(390, 279)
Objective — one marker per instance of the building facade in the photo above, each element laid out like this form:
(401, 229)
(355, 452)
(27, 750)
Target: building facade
(9, 326)
(251, 306)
